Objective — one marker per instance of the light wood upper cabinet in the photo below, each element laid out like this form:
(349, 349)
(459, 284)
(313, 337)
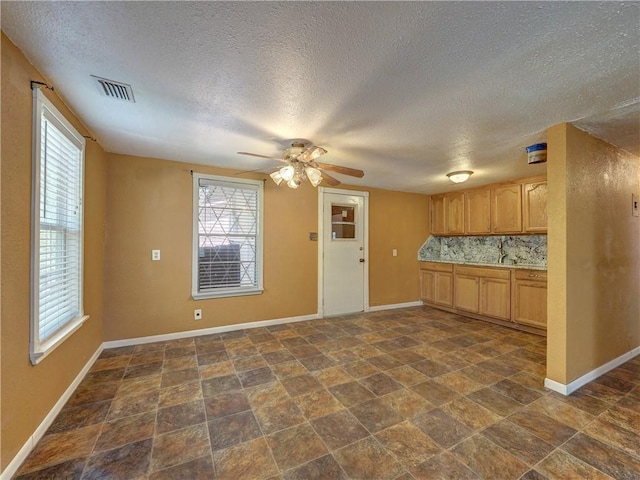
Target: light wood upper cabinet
(535, 207)
(437, 215)
(454, 211)
(498, 209)
(477, 211)
(506, 209)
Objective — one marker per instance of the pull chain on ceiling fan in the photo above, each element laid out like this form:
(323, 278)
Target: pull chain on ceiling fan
(301, 165)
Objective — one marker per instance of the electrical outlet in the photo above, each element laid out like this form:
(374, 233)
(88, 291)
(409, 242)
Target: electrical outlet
(395, 252)
(155, 255)
(197, 314)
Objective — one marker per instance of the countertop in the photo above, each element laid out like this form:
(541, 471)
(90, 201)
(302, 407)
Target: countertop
(496, 265)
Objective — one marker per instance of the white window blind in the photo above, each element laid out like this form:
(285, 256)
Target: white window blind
(58, 229)
(227, 237)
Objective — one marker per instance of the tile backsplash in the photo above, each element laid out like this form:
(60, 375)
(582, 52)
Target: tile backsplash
(518, 249)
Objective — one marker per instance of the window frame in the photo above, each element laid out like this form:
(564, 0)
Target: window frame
(39, 349)
(222, 292)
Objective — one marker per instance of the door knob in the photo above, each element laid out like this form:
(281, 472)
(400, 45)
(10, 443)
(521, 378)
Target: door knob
(362, 260)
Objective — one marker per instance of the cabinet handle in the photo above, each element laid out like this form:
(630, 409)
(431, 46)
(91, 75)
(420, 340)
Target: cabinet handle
(533, 275)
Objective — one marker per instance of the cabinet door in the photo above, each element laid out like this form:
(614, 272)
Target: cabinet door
(535, 207)
(506, 211)
(477, 211)
(437, 215)
(496, 298)
(530, 303)
(427, 286)
(467, 293)
(454, 210)
(444, 289)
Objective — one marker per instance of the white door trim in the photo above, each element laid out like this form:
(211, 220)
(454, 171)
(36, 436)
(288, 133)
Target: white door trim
(341, 191)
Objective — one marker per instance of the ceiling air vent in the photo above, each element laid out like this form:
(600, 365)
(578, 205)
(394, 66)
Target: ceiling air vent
(117, 90)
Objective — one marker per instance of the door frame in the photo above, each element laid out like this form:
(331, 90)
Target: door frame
(365, 227)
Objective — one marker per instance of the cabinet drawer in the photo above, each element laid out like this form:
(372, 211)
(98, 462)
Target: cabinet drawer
(502, 273)
(531, 275)
(436, 266)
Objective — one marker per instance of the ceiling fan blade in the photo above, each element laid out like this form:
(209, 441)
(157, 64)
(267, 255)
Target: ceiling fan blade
(261, 156)
(310, 154)
(352, 172)
(256, 170)
(330, 180)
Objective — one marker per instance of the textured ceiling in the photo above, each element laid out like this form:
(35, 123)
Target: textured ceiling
(405, 91)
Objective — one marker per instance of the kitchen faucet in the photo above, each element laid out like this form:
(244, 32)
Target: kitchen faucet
(501, 252)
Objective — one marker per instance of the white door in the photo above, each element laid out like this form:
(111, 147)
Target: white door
(344, 267)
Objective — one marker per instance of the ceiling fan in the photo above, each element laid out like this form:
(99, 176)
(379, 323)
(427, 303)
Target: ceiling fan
(301, 164)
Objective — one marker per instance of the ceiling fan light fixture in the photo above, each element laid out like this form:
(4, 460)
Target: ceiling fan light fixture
(293, 184)
(276, 177)
(459, 176)
(287, 173)
(314, 175)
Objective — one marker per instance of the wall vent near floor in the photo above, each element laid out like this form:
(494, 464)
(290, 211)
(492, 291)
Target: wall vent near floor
(117, 90)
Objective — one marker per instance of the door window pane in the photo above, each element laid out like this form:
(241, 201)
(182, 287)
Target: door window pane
(343, 225)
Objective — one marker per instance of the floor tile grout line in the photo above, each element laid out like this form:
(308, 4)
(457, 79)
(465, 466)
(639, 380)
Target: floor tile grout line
(396, 326)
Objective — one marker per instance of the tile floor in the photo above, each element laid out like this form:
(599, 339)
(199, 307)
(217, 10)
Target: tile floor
(402, 394)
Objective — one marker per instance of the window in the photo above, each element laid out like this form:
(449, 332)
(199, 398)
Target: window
(57, 238)
(227, 243)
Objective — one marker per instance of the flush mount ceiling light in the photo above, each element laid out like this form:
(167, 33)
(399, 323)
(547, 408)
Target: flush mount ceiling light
(459, 176)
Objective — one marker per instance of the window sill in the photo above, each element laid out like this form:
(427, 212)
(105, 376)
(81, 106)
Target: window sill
(221, 293)
(44, 349)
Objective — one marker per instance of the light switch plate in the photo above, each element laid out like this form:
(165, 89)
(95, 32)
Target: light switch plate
(635, 208)
(155, 255)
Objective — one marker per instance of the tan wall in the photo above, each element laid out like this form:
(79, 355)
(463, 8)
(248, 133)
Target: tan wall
(149, 207)
(401, 221)
(557, 253)
(600, 259)
(29, 392)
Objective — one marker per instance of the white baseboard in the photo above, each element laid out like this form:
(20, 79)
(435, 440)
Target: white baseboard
(590, 376)
(26, 449)
(378, 308)
(206, 331)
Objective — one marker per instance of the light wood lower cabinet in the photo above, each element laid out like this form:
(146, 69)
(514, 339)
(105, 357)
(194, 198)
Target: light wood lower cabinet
(486, 291)
(496, 297)
(467, 292)
(530, 298)
(436, 283)
(509, 295)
